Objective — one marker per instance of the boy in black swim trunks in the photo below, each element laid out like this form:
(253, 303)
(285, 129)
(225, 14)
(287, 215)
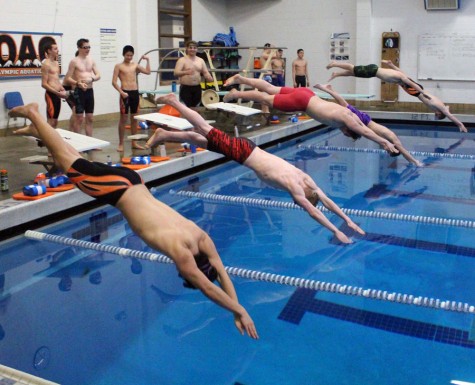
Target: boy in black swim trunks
(160, 227)
(127, 72)
(82, 73)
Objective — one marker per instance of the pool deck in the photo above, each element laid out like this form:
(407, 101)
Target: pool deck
(14, 213)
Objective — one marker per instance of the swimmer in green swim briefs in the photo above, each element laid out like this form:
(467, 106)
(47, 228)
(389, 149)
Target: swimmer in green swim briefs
(441, 111)
(373, 71)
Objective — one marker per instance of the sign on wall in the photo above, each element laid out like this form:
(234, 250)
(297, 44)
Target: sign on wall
(108, 44)
(21, 53)
(340, 46)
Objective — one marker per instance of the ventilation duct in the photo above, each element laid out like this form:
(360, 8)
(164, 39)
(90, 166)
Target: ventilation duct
(441, 5)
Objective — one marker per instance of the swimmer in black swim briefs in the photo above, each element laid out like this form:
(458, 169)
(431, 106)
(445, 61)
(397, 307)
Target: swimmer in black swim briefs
(159, 226)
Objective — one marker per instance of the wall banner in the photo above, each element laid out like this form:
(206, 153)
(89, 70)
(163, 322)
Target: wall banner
(21, 53)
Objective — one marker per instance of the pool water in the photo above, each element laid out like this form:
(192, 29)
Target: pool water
(76, 316)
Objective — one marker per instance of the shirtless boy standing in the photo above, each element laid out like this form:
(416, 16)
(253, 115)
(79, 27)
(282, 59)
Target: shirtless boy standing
(50, 82)
(82, 72)
(129, 92)
(300, 70)
(189, 70)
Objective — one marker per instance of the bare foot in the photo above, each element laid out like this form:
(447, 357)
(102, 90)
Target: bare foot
(120, 148)
(23, 111)
(157, 137)
(137, 146)
(30, 130)
(323, 87)
(331, 64)
(334, 75)
(236, 79)
(230, 96)
(167, 99)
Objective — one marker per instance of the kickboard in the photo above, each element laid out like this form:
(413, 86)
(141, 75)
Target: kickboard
(22, 197)
(232, 107)
(165, 120)
(153, 159)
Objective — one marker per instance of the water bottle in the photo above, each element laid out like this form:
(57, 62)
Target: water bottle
(109, 160)
(173, 86)
(53, 182)
(41, 179)
(163, 150)
(34, 190)
(4, 180)
(143, 125)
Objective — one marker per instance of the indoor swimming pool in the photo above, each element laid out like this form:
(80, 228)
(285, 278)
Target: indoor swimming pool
(81, 317)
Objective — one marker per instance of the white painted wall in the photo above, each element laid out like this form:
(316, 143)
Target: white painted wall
(411, 20)
(135, 21)
(294, 24)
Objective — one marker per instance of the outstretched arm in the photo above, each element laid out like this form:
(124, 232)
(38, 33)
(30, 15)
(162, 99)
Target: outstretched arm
(333, 207)
(187, 267)
(355, 125)
(457, 122)
(299, 198)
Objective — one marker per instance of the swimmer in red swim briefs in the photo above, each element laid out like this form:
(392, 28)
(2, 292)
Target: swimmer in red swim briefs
(304, 99)
(377, 128)
(161, 227)
(271, 169)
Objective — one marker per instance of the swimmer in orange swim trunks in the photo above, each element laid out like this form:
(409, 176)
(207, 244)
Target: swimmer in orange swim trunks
(161, 227)
(271, 169)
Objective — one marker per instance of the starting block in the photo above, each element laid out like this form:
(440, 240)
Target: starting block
(232, 107)
(81, 142)
(165, 120)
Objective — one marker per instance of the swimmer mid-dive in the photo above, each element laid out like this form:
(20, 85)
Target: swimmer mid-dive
(441, 111)
(304, 99)
(378, 129)
(159, 226)
(387, 75)
(269, 168)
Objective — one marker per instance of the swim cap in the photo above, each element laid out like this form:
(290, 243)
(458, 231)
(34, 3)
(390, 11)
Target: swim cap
(203, 264)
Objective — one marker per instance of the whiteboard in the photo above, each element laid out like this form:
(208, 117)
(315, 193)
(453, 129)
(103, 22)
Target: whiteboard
(446, 57)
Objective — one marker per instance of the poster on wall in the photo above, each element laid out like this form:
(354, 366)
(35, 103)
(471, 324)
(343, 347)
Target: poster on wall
(108, 44)
(21, 53)
(340, 46)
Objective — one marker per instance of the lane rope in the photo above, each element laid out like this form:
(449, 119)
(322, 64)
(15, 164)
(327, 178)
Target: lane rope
(382, 295)
(265, 203)
(379, 151)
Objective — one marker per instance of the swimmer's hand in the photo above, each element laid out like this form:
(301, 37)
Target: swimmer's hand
(389, 147)
(353, 226)
(244, 323)
(342, 237)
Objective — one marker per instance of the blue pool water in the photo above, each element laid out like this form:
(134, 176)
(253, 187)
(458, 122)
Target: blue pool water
(75, 316)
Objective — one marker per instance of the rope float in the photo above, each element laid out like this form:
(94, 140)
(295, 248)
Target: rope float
(379, 151)
(264, 203)
(407, 299)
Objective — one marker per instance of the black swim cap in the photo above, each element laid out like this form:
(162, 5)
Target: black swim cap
(203, 264)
